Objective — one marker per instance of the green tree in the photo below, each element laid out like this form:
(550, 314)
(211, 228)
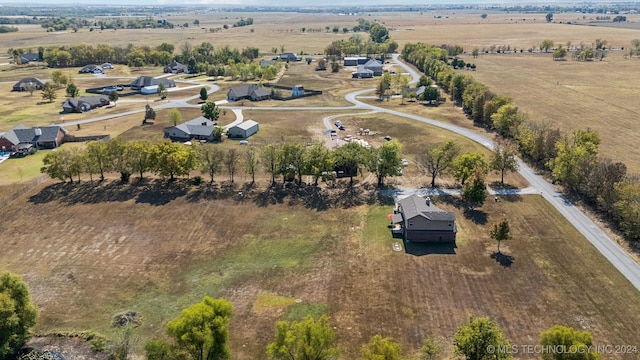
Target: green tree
(113, 96)
(384, 84)
(162, 91)
(59, 165)
(378, 33)
(380, 348)
(303, 340)
(475, 191)
(351, 156)
(98, 156)
(291, 161)
(318, 160)
(202, 329)
(438, 159)
(575, 343)
(424, 81)
(211, 158)
(203, 94)
(430, 349)
(507, 120)
(431, 94)
(49, 91)
(175, 116)
(575, 158)
(465, 165)
(59, 78)
(119, 154)
(546, 44)
(161, 350)
(549, 17)
(385, 161)
(251, 159)
(474, 339)
(500, 232)
(30, 87)
(17, 314)
(149, 113)
(171, 159)
(72, 90)
(560, 53)
(139, 154)
(504, 158)
(491, 107)
(271, 155)
(231, 159)
(210, 111)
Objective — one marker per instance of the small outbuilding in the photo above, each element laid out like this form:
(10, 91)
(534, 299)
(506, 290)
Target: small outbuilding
(354, 60)
(297, 90)
(243, 130)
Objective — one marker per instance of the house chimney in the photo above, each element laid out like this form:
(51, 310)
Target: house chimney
(428, 201)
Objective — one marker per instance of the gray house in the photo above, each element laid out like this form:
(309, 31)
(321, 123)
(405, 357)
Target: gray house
(362, 73)
(144, 81)
(199, 128)
(375, 66)
(354, 60)
(84, 103)
(91, 69)
(253, 92)
(243, 130)
(23, 84)
(421, 221)
(175, 68)
(289, 56)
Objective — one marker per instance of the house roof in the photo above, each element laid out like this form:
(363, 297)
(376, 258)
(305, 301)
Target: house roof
(362, 70)
(24, 82)
(414, 205)
(142, 81)
(373, 63)
(249, 90)
(21, 134)
(91, 100)
(246, 125)
(198, 126)
(176, 66)
(29, 57)
(90, 68)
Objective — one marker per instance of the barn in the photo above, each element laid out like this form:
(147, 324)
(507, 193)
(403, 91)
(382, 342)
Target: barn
(243, 130)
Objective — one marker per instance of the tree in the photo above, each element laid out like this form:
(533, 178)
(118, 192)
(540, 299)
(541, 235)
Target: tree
(119, 155)
(59, 165)
(171, 159)
(475, 52)
(318, 160)
(17, 314)
(386, 161)
(211, 158)
(175, 116)
(251, 161)
(465, 165)
(430, 349)
(303, 340)
(424, 81)
(98, 157)
(383, 85)
(560, 53)
(504, 158)
(49, 91)
(291, 161)
(202, 329)
(431, 94)
(231, 159)
(30, 87)
(203, 94)
(484, 16)
(149, 113)
(270, 159)
(507, 120)
(575, 158)
(546, 44)
(437, 159)
(575, 344)
(474, 339)
(549, 17)
(160, 350)
(380, 348)
(72, 90)
(210, 111)
(59, 79)
(378, 33)
(351, 157)
(475, 192)
(162, 91)
(500, 232)
(113, 96)
(139, 154)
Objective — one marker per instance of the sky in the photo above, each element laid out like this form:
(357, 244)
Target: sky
(281, 2)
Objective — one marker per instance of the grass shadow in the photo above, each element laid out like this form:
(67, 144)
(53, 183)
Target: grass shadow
(503, 259)
(422, 249)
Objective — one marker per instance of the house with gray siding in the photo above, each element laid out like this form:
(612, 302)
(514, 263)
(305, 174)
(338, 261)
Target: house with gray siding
(421, 221)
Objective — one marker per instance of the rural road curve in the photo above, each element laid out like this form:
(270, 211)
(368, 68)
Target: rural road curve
(609, 248)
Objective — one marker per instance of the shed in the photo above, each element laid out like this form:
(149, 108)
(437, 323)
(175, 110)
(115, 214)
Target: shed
(297, 90)
(243, 130)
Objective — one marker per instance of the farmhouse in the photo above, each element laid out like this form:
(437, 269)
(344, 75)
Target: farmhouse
(362, 73)
(421, 221)
(375, 66)
(175, 68)
(243, 130)
(91, 69)
(23, 84)
(199, 128)
(253, 92)
(21, 138)
(144, 81)
(84, 103)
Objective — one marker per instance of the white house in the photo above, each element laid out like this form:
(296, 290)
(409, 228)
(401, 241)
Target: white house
(243, 130)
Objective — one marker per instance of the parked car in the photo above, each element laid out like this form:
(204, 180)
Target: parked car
(404, 162)
(341, 127)
(337, 123)
(244, 142)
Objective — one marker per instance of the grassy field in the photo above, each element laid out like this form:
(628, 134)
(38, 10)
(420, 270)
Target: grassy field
(156, 248)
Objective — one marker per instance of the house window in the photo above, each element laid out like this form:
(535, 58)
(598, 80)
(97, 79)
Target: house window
(410, 223)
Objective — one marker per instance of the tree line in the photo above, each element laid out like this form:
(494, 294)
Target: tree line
(572, 159)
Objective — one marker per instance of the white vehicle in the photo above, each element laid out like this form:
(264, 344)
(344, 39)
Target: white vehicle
(405, 163)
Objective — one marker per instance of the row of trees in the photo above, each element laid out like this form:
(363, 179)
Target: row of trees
(202, 332)
(572, 158)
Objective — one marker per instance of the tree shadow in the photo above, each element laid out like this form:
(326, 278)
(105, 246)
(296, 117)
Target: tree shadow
(503, 259)
(161, 193)
(476, 216)
(506, 192)
(422, 249)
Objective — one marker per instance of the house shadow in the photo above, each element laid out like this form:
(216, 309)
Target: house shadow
(422, 249)
(503, 259)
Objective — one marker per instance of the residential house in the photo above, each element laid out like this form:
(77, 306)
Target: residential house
(27, 58)
(199, 128)
(23, 84)
(144, 81)
(175, 68)
(84, 103)
(91, 69)
(375, 66)
(289, 56)
(253, 92)
(421, 221)
(362, 73)
(21, 138)
(355, 60)
(243, 130)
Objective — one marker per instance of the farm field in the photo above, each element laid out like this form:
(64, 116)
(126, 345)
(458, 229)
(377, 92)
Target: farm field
(282, 252)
